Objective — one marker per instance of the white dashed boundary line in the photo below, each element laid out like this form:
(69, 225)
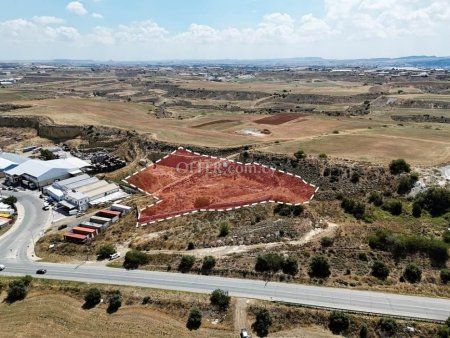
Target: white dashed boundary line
(158, 200)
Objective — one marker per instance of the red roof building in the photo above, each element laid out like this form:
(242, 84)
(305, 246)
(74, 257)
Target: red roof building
(76, 238)
(90, 233)
(108, 213)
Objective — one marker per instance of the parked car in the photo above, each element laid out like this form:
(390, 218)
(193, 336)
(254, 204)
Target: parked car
(114, 256)
(41, 271)
(2, 267)
(244, 333)
(62, 226)
(80, 214)
(45, 207)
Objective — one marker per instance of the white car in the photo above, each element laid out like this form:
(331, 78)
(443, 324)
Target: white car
(2, 267)
(114, 256)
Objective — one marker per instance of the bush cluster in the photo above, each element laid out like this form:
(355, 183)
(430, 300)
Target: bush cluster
(394, 207)
(402, 245)
(357, 209)
(435, 200)
(135, 258)
(272, 262)
(399, 166)
(288, 210)
(220, 298)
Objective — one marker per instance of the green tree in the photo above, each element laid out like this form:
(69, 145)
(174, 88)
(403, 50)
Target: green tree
(399, 166)
(435, 200)
(135, 258)
(380, 270)
(105, 251)
(376, 198)
(338, 322)
(269, 262)
(186, 263)
(416, 210)
(220, 298)
(27, 279)
(17, 291)
(395, 207)
(446, 236)
(10, 200)
(290, 266)
(412, 273)
(262, 322)
(445, 276)
(114, 301)
(209, 262)
(387, 326)
(47, 155)
(363, 332)
(319, 267)
(92, 297)
(194, 320)
(405, 185)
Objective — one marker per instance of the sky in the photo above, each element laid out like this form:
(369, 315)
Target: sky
(144, 30)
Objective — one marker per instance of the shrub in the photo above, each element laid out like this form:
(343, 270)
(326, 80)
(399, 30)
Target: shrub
(355, 177)
(388, 326)
(190, 246)
(405, 185)
(394, 207)
(27, 279)
(10, 200)
(220, 299)
(363, 332)
(92, 297)
(326, 241)
(300, 154)
(338, 322)
(224, 230)
(380, 270)
(146, 300)
(319, 267)
(323, 156)
(105, 251)
(446, 236)
(194, 320)
(209, 262)
(297, 210)
(270, 262)
(17, 291)
(435, 200)
(357, 209)
(186, 264)
(362, 256)
(290, 266)
(412, 273)
(376, 198)
(135, 258)
(47, 155)
(416, 210)
(443, 332)
(445, 276)
(114, 301)
(262, 322)
(399, 166)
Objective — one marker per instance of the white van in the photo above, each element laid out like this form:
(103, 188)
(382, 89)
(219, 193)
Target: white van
(114, 256)
(2, 267)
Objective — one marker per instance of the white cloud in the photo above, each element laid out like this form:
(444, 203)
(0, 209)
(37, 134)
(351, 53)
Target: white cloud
(47, 20)
(77, 8)
(97, 15)
(63, 33)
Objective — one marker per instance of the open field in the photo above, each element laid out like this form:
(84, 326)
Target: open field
(188, 110)
(186, 182)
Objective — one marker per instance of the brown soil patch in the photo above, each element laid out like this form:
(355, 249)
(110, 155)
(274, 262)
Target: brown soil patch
(279, 118)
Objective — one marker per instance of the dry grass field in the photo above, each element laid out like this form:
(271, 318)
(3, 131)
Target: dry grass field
(196, 116)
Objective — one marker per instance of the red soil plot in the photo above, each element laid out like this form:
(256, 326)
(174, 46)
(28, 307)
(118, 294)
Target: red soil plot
(186, 182)
(279, 118)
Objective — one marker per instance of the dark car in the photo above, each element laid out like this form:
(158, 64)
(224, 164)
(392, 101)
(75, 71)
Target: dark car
(62, 226)
(41, 271)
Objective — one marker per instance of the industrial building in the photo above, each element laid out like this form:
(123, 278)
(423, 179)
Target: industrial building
(80, 191)
(37, 173)
(9, 161)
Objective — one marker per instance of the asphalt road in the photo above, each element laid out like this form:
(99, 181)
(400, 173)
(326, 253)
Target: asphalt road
(346, 299)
